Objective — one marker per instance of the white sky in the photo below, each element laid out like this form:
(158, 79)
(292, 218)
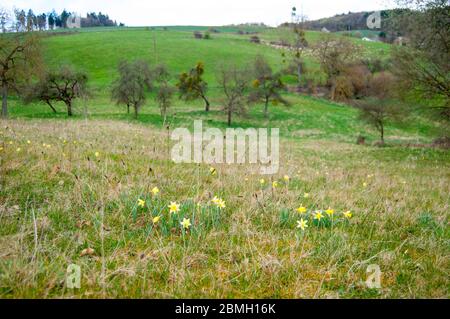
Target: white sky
(200, 12)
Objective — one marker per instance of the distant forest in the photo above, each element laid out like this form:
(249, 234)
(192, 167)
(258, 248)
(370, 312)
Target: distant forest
(351, 21)
(22, 20)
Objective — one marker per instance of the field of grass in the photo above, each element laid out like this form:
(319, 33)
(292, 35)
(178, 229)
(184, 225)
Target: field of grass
(70, 191)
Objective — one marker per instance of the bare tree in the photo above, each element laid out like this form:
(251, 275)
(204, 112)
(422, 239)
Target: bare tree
(267, 85)
(20, 59)
(4, 19)
(423, 66)
(234, 83)
(64, 84)
(298, 46)
(381, 107)
(134, 80)
(164, 91)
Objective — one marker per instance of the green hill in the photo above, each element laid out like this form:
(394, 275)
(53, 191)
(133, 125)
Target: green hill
(99, 50)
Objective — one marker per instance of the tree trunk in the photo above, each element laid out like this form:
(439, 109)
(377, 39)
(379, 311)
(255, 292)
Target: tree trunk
(206, 103)
(229, 116)
(333, 90)
(128, 108)
(266, 108)
(299, 74)
(51, 106)
(69, 108)
(135, 111)
(382, 133)
(4, 100)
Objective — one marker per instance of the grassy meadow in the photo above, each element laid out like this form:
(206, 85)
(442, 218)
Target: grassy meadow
(94, 190)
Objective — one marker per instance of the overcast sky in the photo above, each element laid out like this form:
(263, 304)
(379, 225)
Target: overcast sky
(200, 12)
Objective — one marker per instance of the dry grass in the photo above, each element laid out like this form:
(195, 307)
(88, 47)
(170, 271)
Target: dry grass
(57, 201)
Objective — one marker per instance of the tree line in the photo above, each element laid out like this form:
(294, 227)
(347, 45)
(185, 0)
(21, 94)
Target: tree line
(27, 21)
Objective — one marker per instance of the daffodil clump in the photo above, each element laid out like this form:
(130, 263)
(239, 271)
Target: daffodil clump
(305, 218)
(174, 217)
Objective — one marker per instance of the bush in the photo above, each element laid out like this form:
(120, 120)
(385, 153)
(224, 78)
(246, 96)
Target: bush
(198, 35)
(255, 39)
(207, 36)
(359, 76)
(344, 89)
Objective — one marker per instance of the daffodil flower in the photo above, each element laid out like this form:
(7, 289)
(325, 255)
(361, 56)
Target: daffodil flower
(186, 223)
(318, 215)
(262, 181)
(286, 178)
(306, 195)
(156, 219)
(302, 224)
(221, 204)
(330, 212)
(141, 203)
(347, 214)
(155, 191)
(275, 184)
(174, 207)
(301, 210)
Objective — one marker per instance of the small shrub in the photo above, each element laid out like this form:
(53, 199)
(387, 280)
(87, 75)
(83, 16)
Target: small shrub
(344, 89)
(255, 39)
(198, 35)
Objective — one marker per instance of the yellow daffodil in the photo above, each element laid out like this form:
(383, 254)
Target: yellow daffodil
(18, 149)
(286, 178)
(213, 171)
(306, 195)
(221, 204)
(174, 207)
(348, 214)
(318, 215)
(155, 191)
(262, 181)
(301, 210)
(156, 219)
(302, 224)
(330, 212)
(141, 203)
(28, 142)
(97, 154)
(215, 200)
(186, 223)
(1, 148)
(364, 184)
(274, 184)
(11, 142)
